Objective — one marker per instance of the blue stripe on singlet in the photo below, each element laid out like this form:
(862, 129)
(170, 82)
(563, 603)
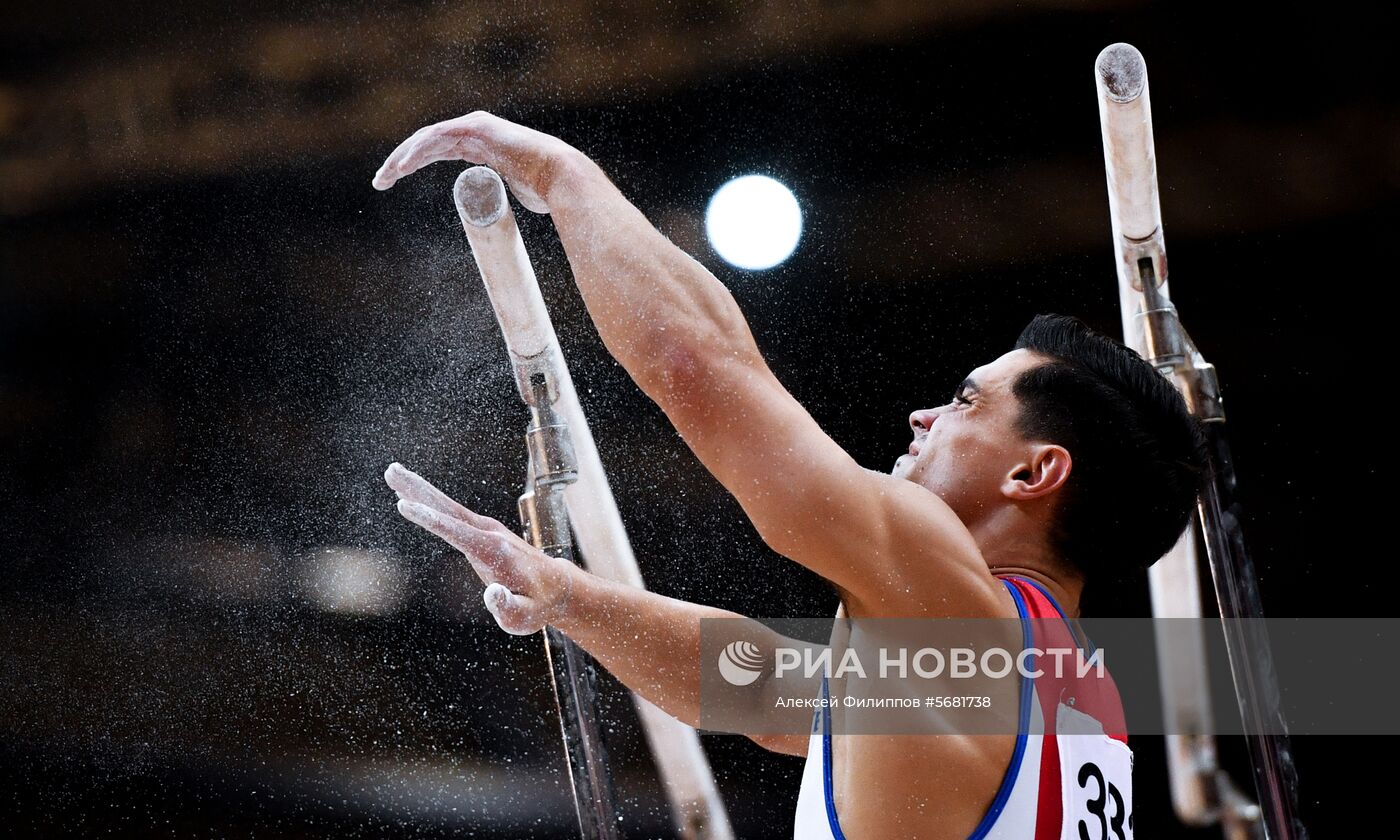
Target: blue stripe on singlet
(1008, 781)
(1027, 684)
(1082, 641)
(826, 766)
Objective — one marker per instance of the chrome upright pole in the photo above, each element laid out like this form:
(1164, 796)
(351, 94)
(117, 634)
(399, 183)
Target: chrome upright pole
(558, 430)
(1201, 792)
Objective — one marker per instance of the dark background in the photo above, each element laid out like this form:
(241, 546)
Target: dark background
(214, 336)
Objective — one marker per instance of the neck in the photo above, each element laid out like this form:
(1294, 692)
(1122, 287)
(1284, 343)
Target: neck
(1013, 543)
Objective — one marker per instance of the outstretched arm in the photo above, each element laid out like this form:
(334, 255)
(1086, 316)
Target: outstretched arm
(678, 332)
(648, 641)
(648, 298)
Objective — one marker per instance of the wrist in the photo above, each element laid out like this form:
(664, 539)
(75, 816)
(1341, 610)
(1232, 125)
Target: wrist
(569, 606)
(568, 169)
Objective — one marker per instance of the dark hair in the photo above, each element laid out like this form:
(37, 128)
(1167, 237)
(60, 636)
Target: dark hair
(1138, 457)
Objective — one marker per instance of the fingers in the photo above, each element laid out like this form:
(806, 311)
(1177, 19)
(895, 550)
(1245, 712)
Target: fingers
(455, 143)
(488, 544)
(389, 173)
(490, 549)
(446, 140)
(440, 144)
(413, 487)
(521, 155)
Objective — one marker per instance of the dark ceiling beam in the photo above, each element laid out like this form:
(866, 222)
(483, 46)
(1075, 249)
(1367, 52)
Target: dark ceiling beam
(343, 85)
(1221, 177)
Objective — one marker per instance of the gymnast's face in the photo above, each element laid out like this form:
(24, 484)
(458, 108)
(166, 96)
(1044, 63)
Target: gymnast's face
(967, 449)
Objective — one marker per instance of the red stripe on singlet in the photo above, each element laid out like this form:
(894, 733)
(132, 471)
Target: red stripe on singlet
(1093, 696)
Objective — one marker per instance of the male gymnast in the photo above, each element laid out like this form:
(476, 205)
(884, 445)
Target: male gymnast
(1062, 461)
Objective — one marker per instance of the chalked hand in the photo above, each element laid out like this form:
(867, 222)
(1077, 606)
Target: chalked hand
(528, 160)
(525, 588)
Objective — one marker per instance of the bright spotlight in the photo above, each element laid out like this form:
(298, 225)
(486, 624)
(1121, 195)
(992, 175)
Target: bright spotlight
(753, 222)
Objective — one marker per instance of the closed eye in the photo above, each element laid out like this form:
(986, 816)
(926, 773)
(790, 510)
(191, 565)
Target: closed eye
(960, 393)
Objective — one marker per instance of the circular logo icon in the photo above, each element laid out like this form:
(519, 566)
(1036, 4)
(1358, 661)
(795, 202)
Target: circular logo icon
(740, 663)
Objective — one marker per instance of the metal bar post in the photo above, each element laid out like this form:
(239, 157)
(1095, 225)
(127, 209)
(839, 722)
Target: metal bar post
(1202, 793)
(533, 348)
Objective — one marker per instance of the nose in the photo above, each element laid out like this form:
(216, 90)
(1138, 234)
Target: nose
(922, 419)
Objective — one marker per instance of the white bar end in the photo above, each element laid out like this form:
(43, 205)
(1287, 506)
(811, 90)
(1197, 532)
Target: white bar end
(480, 196)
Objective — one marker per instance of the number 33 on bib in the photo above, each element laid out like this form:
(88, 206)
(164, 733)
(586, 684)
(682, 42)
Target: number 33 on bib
(1097, 774)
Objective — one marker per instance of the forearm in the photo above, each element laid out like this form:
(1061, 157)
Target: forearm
(648, 641)
(653, 305)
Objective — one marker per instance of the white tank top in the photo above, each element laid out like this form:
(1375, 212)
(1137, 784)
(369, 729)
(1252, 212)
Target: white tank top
(1094, 793)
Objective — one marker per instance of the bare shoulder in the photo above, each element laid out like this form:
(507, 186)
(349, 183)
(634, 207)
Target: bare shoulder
(929, 786)
(926, 558)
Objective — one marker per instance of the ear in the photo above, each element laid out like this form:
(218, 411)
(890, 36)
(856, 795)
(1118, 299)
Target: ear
(1042, 474)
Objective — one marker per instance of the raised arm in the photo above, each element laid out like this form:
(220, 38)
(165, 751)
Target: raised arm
(678, 332)
(648, 641)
